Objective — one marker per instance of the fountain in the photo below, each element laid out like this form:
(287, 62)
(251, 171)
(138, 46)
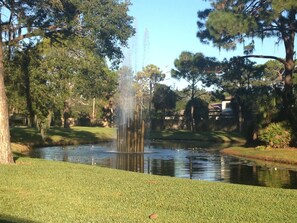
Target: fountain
(130, 134)
(130, 123)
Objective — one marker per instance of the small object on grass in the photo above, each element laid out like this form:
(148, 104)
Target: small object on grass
(153, 216)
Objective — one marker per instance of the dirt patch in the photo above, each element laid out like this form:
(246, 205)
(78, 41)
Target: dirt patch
(20, 148)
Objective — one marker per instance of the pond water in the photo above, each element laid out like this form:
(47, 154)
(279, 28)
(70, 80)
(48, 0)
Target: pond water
(197, 161)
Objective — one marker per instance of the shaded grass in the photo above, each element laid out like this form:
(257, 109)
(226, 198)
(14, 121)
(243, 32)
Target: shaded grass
(80, 135)
(286, 156)
(214, 136)
(25, 135)
(62, 136)
(46, 191)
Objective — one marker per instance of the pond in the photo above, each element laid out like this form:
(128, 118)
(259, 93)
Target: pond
(198, 161)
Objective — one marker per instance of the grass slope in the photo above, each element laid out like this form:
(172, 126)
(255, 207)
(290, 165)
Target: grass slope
(214, 136)
(46, 191)
(62, 136)
(286, 156)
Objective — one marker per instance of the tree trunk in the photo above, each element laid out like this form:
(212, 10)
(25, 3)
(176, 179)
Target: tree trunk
(93, 112)
(26, 73)
(66, 115)
(192, 117)
(240, 119)
(150, 100)
(6, 156)
(288, 96)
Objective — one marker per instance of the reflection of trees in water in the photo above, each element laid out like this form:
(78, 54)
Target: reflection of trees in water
(293, 178)
(196, 165)
(277, 178)
(130, 162)
(243, 174)
(163, 167)
(65, 155)
(263, 176)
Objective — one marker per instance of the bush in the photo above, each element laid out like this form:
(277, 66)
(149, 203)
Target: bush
(261, 148)
(83, 119)
(275, 135)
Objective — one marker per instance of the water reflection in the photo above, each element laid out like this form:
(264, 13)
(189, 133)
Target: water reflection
(175, 159)
(130, 162)
(264, 176)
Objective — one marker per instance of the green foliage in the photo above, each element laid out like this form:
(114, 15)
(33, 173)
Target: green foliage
(256, 91)
(194, 68)
(229, 23)
(105, 27)
(69, 58)
(106, 24)
(261, 148)
(164, 98)
(145, 85)
(148, 78)
(275, 135)
(225, 24)
(83, 119)
(240, 73)
(195, 112)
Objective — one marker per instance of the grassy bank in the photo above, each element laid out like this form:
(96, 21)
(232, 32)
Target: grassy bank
(285, 156)
(23, 138)
(46, 191)
(214, 136)
(61, 136)
(86, 135)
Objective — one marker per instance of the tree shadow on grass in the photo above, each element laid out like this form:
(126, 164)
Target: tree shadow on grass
(25, 135)
(11, 219)
(70, 135)
(198, 136)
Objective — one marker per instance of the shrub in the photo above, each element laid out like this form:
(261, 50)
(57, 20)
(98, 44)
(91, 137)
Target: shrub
(275, 135)
(261, 148)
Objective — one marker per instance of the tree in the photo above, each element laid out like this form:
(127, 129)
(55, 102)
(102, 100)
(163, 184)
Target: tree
(107, 27)
(16, 18)
(194, 68)
(164, 99)
(58, 77)
(240, 73)
(229, 22)
(254, 89)
(147, 80)
(196, 111)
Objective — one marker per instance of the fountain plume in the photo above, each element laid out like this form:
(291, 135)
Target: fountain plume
(130, 133)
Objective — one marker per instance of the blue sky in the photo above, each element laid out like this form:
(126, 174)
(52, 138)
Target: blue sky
(165, 28)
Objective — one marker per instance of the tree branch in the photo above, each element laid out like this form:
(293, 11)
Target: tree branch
(265, 57)
(40, 31)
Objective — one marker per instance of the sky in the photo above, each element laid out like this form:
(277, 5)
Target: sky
(165, 28)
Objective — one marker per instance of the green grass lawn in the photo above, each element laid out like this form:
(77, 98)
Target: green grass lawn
(62, 136)
(214, 136)
(47, 191)
(286, 156)
(36, 190)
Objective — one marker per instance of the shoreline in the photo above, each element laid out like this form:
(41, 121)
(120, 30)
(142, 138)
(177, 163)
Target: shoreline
(281, 156)
(26, 139)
